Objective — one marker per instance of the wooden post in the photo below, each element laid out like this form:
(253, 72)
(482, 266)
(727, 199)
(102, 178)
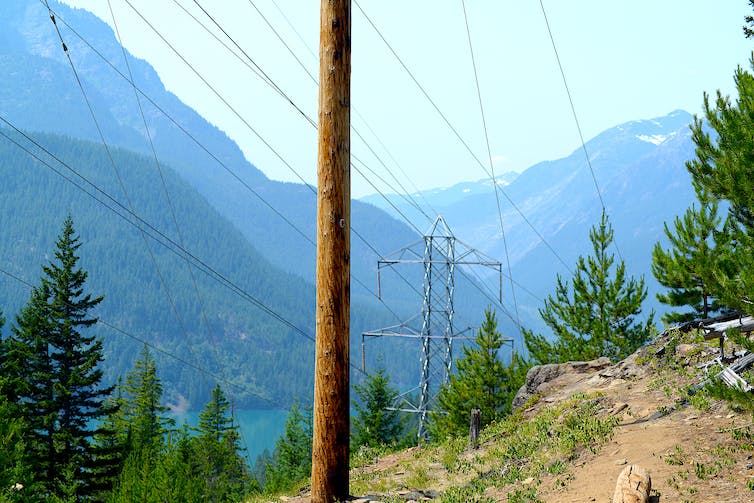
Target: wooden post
(474, 425)
(331, 386)
(633, 486)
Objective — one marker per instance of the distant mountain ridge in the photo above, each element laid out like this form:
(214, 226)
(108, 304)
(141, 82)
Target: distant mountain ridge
(440, 197)
(276, 220)
(43, 89)
(640, 170)
(638, 165)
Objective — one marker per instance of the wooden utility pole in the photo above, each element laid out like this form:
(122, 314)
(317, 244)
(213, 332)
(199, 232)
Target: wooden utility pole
(331, 386)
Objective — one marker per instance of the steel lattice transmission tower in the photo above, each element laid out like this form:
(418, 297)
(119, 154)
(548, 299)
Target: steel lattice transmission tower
(440, 253)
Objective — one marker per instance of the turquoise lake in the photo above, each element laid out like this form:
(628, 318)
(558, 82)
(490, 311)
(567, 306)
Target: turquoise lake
(260, 429)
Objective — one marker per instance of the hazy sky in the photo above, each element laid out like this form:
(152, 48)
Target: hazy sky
(623, 61)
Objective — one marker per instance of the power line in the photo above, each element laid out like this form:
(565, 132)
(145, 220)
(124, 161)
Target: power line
(232, 109)
(409, 199)
(457, 134)
(165, 352)
(269, 81)
(173, 247)
(235, 112)
(576, 117)
(233, 174)
(492, 164)
(158, 271)
(181, 240)
(169, 243)
(278, 89)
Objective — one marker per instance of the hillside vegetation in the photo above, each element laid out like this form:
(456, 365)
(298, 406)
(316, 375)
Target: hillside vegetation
(570, 440)
(158, 304)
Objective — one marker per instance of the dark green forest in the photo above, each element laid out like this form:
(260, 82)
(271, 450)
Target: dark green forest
(269, 362)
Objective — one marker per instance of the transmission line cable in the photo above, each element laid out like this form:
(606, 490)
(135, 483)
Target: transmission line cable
(458, 135)
(165, 352)
(153, 232)
(219, 161)
(158, 271)
(269, 81)
(246, 123)
(234, 111)
(492, 164)
(140, 224)
(576, 117)
(193, 138)
(181, 240)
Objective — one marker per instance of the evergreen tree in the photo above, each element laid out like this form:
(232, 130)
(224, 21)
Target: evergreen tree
(112, 444)
(139, 427)
(291, 461)
(596, 317)
(55, 376)
(724, 167)
(217, 462)
(143, 415)
(216, 421)
(687, 268)
(374, 424)
(481, 381)
(14, 471)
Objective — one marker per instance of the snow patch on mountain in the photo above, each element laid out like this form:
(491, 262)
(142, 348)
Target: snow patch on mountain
(655, 139)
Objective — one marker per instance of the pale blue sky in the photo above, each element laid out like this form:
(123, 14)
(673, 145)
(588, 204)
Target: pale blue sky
(623, 61)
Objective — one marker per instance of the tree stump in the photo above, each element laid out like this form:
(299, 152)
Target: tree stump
(476, 422)
(633, 485)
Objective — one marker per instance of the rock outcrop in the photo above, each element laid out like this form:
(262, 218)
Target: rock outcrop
(542, 378)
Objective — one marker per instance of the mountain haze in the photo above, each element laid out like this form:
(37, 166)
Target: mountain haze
(271, 224)
(260, 232)
(640, 170)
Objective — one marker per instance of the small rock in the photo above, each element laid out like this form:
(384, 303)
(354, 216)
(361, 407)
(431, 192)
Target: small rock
(618, 408)
(683, 349)
(621, 462)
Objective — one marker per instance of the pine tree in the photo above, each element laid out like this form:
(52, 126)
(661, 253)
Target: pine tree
(724, 167)
(481, 381)
(687, 268)
(143, 415)
(597, 316)
(27, 365)
(216, 421)
(217, 463)
(291, 460)
(53, 368)
(374, 424)
(14, 471)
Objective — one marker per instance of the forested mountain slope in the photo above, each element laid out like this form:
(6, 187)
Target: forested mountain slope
(244, 344)
(41, 88)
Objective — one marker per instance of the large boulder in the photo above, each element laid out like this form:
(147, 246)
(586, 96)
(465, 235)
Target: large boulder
(542, 378)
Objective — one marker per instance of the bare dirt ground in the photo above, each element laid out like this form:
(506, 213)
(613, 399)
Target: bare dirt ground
(691, 450)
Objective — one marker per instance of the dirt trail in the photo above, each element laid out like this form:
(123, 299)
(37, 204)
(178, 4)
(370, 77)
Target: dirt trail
(689, 449)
